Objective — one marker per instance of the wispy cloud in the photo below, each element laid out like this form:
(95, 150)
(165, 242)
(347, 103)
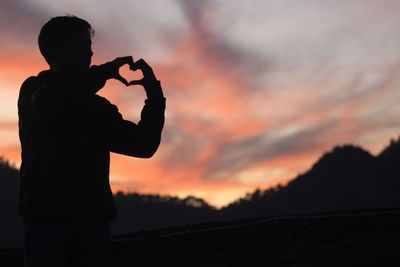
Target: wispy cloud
(256, 90)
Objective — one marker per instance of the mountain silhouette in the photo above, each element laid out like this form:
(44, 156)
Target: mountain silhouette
(138, 212)
(345, 178)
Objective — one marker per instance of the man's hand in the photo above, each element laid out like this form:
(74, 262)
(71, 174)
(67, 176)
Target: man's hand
(118, 63)
(149, 80)
(148, 74)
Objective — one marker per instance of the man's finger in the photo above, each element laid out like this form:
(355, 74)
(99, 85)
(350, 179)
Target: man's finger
(120, 61)
(140, 64)
(122, 79)
(129, 60)
(137, 82)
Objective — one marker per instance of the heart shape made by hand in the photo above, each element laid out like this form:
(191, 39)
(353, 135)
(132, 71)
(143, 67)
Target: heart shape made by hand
(130, 75)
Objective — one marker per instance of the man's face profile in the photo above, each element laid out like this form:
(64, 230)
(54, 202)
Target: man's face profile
(75, 54)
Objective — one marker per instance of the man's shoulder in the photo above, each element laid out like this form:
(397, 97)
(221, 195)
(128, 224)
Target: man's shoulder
(104, 104)
(28, 87)
(29, 82)
(101, 100)
(32, 82)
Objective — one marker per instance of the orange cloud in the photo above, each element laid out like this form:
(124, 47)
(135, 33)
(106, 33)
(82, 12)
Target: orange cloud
(212, 107)
(223, 135)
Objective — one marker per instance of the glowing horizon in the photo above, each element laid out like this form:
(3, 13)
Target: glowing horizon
(256, 92)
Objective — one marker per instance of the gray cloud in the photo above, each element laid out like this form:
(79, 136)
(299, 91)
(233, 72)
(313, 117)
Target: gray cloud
(182, 147)
(235, 60)
(20, 22)
(195, 10)
(268, 146)
(228, 57)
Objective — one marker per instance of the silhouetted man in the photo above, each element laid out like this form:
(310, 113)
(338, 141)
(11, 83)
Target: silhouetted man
(67, 132)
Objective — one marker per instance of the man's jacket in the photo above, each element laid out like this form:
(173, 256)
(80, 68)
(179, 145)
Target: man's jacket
(67, 132)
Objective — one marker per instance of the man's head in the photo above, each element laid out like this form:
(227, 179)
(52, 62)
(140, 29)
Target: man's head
(65, 43)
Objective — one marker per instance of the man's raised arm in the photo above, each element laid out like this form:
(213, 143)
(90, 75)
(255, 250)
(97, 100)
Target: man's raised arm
(142, 139)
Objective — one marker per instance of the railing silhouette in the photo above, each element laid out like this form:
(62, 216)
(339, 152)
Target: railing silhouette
(363, 236)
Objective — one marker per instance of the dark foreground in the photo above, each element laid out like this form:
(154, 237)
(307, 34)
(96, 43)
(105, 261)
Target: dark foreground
(352, 238)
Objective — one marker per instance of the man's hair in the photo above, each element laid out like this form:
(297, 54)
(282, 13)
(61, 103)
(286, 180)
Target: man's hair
(58, 29)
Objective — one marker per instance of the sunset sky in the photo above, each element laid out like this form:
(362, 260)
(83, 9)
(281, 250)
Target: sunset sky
(256, 90)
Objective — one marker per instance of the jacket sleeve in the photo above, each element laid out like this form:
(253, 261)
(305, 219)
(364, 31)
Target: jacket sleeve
(138, 140)
(98, 76)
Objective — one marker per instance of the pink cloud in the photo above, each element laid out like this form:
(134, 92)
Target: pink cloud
(224, 135)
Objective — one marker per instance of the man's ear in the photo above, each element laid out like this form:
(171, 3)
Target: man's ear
(51, 56)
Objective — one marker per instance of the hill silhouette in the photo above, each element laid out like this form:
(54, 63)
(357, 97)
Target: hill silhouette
(345, 178)
(138, 212)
